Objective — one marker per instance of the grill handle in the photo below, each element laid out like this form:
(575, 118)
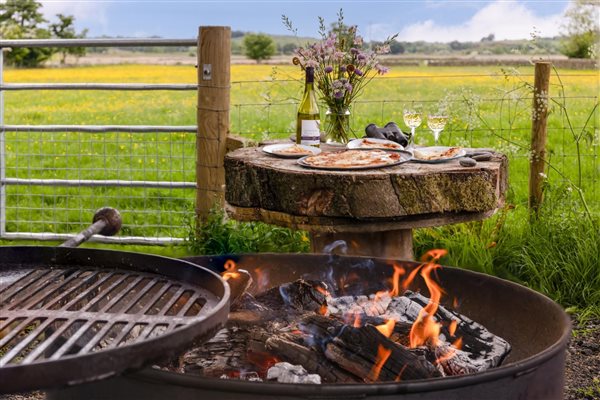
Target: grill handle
(107, 222)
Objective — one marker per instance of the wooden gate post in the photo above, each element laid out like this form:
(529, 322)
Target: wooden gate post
(539, 134)
(214, 55)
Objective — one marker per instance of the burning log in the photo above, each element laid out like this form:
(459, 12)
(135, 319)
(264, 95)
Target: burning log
(300, 295)
(365, 352)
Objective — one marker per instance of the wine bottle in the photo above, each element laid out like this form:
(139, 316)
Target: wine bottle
(308, 124)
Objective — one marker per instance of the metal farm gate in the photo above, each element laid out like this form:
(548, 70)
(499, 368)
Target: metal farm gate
(52, 177)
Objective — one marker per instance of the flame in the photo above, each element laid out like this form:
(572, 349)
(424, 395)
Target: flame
(388, 328)
(410, 278)
(452, 327)
(357, 322)
(230, 265)
(322, 290)
(398, 272)
(426, 330)
(382, 355)
(455, 302)
(399, 377)
(323, 309)
(457, 345)
(230, 275)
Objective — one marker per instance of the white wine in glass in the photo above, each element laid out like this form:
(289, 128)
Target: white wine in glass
(412, 119)
(437, 123)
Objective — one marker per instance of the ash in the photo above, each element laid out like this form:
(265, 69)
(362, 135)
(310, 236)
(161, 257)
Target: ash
(284, 372)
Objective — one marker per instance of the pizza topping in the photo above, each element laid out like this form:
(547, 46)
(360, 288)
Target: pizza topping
(293, 150)
(382, 145)
(436, 155)
(353, 158)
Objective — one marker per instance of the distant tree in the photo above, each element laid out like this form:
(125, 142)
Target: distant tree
(396, 47)
(21, 19)
(288, 48)
(582, 28)
(259, 47)
(64, 29)
(488, 38)
(237, 34)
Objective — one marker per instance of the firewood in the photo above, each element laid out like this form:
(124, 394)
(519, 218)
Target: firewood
(356, 351)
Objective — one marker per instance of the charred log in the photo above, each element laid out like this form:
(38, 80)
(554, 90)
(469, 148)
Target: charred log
(356, 350)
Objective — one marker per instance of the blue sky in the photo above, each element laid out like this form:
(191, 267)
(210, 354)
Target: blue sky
(430, 20)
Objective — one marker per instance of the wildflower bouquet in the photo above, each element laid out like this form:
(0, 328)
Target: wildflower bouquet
(342, 70)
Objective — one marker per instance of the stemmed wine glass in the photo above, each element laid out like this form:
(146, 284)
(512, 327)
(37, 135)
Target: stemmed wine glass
(436, 122)
(412, 119)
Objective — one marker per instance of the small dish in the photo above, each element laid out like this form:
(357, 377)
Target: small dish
(437, 154)
(287, 150)
(374, 144)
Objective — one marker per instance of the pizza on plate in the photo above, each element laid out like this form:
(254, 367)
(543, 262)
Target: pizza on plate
(371, 144)
(427, 155)
(293, 150)
(352, 159)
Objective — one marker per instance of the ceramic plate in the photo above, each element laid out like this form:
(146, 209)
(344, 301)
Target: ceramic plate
(421, 153)
(381, 160)
(374, 144)
(286, 150)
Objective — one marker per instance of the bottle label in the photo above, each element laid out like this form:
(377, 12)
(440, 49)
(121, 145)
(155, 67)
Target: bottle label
(311, 134)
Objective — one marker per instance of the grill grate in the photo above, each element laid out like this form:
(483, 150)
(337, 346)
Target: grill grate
(71, 315)
(47, 313)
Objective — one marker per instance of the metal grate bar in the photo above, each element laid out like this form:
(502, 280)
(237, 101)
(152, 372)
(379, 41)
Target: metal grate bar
(119, 296)
(45, 293)
(145, 290)
(154, 299)
(71, 341)
(14, 287)
(97, 337)
(96, 183)
(98, 297)
(74, 289)
(124, 332)
(23, 343)
(33, 288)
(15, 331)
(172, 300)
(47, 342)
(97, 86)
(99, 43)
(192, 300)
(98, 128)
(80, 296)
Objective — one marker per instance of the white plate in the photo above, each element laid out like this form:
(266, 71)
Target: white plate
(275, 150)
(420, 151)
(374, 144)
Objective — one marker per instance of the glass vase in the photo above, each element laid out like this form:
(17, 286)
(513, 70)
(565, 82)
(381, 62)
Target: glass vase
(337, 125)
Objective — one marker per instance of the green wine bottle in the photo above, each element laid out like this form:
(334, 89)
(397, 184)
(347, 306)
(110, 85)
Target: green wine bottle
(308, 124)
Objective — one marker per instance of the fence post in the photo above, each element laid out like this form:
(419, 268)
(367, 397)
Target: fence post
(214, 53)
(539, 133)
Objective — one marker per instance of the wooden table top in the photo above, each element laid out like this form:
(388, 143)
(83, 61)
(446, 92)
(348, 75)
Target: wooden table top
(261, 187)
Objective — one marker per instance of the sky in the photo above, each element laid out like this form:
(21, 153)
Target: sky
(429, 20)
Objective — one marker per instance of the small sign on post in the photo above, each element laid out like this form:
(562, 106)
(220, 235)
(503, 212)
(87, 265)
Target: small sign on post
(539, 134)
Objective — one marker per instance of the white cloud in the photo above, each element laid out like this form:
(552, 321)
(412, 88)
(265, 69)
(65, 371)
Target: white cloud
(85, 12)
(506, 19)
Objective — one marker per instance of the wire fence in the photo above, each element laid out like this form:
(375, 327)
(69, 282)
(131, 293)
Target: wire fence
(55, 176)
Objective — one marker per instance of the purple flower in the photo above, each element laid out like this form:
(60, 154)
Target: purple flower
(358, 72)
(337, 84)
(338, 94)
(328, 69)
(381, 69)
(311, 63)
(354, 51)
(348, 87)
(362, 57)
(342, 68)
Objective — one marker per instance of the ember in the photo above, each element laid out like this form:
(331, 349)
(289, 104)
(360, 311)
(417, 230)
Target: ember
(305, 325)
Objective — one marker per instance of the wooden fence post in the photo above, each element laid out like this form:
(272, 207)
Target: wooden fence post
(214, 54)
(539, 133)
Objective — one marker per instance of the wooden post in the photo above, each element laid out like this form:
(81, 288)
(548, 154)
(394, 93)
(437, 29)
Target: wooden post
(214, 54)
(539, 134)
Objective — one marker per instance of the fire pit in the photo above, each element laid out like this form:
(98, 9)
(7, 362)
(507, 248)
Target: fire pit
(536, 328)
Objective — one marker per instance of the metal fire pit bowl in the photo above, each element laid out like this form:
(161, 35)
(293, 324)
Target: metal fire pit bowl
(537, 328)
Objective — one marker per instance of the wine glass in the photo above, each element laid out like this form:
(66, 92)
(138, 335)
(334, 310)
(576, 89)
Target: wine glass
(412, 119)
(436, 122)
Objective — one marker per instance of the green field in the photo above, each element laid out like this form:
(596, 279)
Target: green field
(489, 107)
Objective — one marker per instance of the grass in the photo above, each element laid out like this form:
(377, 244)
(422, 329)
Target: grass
(558, 255)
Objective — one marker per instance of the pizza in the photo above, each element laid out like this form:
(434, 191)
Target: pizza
(352, 159)
(436, 155)
(371, 144)
(293, 150)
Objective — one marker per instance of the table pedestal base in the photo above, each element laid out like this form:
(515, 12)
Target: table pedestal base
(387, 244)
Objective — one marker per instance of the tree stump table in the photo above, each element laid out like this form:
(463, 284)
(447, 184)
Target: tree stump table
(373, 210)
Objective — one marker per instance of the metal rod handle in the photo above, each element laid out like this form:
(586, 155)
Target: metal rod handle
(107, 221)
